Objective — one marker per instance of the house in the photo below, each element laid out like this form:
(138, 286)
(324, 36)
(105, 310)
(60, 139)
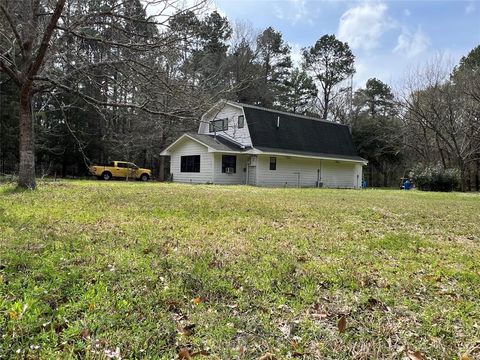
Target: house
(245, 144)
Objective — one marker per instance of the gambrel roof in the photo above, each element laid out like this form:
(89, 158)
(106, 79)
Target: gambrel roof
(278, 130)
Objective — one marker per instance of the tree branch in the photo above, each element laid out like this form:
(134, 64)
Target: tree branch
(14, 29)
(46, 40)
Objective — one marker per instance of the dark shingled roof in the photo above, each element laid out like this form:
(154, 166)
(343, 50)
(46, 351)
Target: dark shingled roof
(298, 134)
(218, 142)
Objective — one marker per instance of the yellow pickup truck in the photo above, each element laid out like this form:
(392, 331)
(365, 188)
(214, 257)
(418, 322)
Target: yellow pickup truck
(120, 169)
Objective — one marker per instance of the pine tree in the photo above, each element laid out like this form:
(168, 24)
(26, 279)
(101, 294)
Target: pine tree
(330, 61)
(298, 91)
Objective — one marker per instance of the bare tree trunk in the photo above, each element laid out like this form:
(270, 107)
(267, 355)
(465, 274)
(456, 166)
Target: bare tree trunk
(477, 176)
(463, 175)
(161, 175)
(326, 104)
(26, 146)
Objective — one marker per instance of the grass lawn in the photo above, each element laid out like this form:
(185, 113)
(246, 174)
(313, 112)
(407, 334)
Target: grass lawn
(92, 269)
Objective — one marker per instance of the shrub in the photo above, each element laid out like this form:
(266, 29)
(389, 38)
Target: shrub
(436, 178)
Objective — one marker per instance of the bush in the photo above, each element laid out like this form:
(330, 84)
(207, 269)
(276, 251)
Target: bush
(436, 178)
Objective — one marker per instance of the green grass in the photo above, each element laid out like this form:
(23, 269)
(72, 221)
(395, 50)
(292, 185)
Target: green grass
(89, 267)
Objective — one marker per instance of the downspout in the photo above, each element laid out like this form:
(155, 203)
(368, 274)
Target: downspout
(319, 176)
(247, 166)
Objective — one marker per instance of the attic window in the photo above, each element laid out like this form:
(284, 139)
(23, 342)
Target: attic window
(218, 125)
(241, 121)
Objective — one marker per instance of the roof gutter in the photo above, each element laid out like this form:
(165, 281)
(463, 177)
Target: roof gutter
(275, 153)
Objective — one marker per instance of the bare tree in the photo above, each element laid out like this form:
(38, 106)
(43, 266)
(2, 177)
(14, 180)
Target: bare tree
(441, 117)
(34, 35)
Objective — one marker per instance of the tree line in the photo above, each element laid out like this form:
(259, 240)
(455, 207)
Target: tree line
(90, 81)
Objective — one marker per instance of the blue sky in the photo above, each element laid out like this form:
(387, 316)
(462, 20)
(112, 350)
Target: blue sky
(387, 37)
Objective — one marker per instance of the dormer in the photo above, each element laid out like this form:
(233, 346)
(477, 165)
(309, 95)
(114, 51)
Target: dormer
(228, 120)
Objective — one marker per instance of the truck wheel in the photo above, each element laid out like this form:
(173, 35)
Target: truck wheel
(106, 175)
(144, 177)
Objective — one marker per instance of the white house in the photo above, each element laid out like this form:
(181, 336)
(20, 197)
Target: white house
(245, 144)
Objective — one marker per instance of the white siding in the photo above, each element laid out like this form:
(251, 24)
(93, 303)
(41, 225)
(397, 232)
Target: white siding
(290, 172)
(238, 178)
(295, 171)
(190, 147)
(358, 176)
(230, 112)
(339, 174)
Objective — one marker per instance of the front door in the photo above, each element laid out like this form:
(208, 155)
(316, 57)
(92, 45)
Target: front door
(252, 175)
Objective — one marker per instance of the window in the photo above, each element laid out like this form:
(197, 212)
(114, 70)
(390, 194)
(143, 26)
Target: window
(241, 121)
(273, 163)
(230, 162)
(122, 165)
(218, 125)
(190, 163)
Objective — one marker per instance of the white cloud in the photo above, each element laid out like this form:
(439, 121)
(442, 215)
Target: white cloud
(294, 11)
(412, 44)
(470, 8)
(363, 25)
(407, 12)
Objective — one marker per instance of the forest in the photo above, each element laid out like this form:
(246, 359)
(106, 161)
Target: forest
(99, 80)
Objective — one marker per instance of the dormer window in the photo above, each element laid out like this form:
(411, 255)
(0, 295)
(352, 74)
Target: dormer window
(218, 125)
(241, 121)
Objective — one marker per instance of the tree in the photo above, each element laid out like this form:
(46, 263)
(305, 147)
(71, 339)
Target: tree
(376, 98)
(114, 41)
(211, 59)
(445, 125)
(330, 61)
(243, 69)
(299, 90)
(274, 58)
(9, 112)
(470, 62)
(466, 76)
(23, 54)
(377, 132)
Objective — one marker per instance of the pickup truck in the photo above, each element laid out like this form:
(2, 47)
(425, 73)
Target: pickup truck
(120, 169)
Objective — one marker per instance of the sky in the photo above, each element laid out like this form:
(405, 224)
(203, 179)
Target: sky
(387, 37)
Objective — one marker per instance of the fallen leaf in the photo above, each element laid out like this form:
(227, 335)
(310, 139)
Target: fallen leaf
(172, 304)
(415, 355)
(184, 354)
(85, 333)
(465, 357)
(196, 300)
(372, 302)
(200, 352)
(267, 356)
(297, 351)
(12, 314)
(188, 330)
(342, 324)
